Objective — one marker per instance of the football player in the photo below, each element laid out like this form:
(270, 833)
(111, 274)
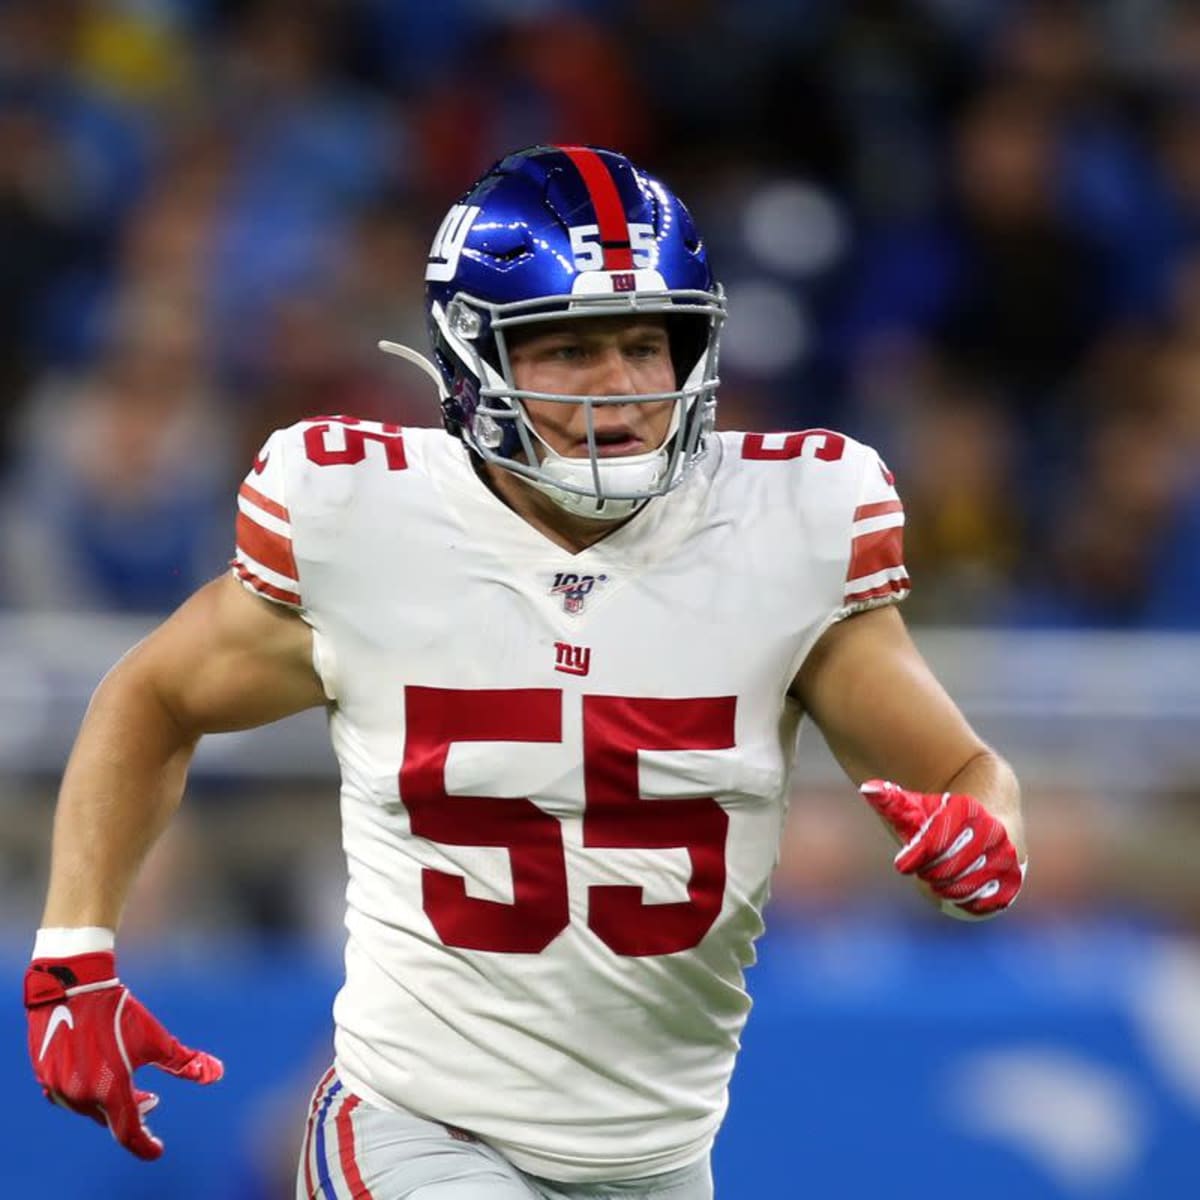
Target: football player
(566, 644)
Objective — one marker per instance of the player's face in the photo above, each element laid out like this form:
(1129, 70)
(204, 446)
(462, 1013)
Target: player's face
(598, 356)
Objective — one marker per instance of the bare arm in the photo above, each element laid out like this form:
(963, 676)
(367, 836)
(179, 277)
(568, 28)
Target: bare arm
(225, 660)
(884, 715)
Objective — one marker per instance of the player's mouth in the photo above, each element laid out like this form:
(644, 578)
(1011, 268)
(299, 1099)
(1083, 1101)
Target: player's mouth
(611, 443)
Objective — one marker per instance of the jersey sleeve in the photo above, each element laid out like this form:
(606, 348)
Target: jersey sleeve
(875, 573)
(264, 561)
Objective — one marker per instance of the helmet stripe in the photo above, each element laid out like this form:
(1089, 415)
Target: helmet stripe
(610, 213)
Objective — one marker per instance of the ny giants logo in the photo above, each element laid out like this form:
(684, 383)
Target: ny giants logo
(572, 660)
(574, 589)
(449, 241)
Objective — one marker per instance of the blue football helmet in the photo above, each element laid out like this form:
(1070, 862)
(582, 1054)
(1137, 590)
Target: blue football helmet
(569, 231)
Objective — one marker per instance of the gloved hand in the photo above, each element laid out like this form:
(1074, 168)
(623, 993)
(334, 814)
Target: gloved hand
(87, 1036)
(954, 844)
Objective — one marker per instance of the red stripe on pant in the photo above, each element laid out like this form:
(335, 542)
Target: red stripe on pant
(610, 212)
(345, 1141)
(306, 1153)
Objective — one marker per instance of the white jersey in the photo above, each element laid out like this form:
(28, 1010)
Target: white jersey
(563, 776)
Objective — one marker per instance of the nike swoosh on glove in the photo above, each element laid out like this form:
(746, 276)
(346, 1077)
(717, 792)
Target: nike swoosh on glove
(87, 1036)
(954, 844)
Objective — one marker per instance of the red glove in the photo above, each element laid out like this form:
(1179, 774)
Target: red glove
(954, 844)
(87, 1036)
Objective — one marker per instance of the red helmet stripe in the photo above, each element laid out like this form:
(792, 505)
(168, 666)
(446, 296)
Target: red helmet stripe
(610, 213)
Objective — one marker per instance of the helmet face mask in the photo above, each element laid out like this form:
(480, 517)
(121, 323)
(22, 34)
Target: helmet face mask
(552, 234)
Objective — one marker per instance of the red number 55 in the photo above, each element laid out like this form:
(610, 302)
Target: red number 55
(615, 728)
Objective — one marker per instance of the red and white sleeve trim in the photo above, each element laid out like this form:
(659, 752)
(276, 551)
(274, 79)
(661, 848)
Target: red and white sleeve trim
(876, 573)
(265, 561)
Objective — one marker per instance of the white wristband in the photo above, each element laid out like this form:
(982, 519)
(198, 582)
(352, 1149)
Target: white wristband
(62, 943)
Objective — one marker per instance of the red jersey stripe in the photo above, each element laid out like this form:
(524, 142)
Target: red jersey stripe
(264, 502)
(878, 509)
(267, 589)
(345, 1140)
(878, 551)
(610, 213)
(266, 546)
(893, 587)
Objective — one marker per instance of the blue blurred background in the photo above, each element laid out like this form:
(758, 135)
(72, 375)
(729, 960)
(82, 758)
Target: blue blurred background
(967, 231)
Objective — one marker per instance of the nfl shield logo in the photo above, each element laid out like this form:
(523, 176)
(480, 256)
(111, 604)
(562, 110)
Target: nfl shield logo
(574, 589)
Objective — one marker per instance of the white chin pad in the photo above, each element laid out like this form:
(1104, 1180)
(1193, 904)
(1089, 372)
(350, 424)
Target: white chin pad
(630, 473)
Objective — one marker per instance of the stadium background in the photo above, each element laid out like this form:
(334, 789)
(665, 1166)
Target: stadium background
(966, 231)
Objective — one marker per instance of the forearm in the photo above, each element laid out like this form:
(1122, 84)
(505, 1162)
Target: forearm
(88, 1033)
(124, 779)
(992, 782)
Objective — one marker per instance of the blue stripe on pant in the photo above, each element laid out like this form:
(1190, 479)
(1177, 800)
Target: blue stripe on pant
(324, 1183)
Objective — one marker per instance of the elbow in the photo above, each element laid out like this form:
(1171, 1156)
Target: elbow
(139, 706)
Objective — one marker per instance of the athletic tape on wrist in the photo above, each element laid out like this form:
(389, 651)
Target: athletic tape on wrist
(62, 942)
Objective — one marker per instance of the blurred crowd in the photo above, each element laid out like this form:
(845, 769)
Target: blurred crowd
(967, 231)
